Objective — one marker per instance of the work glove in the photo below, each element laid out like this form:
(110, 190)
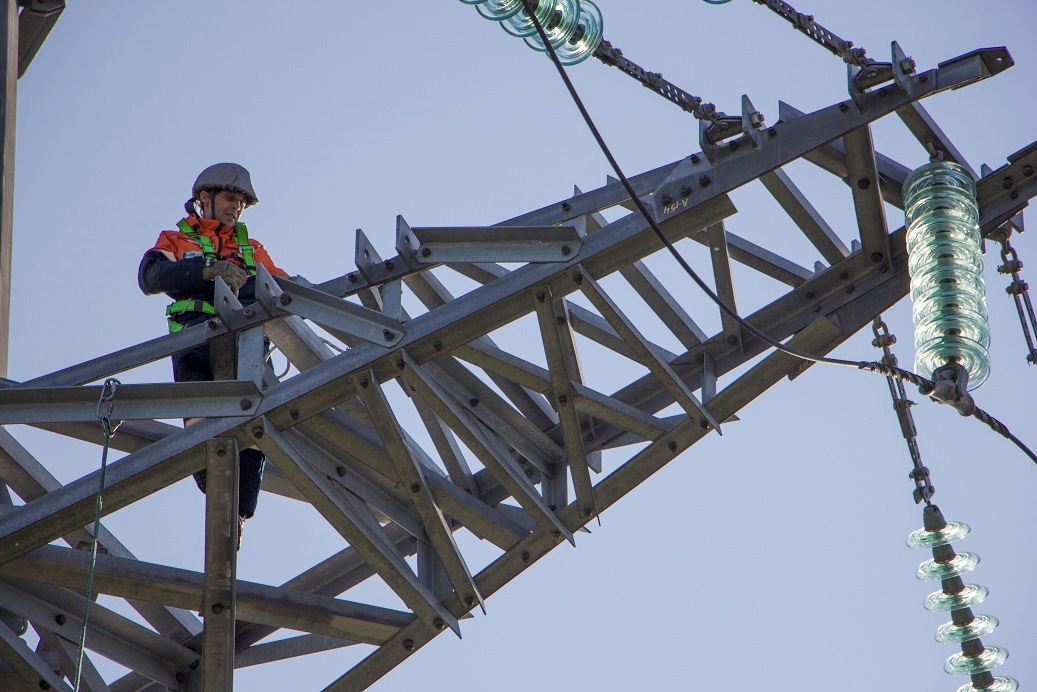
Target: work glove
(232, 274)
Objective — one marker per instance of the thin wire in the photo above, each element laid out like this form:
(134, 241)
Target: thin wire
(107, 397)
(655, 226)
(924, 385)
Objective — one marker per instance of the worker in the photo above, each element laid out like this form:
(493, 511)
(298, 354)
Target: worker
(210, 242)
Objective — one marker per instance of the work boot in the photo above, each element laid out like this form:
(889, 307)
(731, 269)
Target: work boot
(241, 529)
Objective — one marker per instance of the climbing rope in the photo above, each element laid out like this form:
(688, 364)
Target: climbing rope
(104, 414)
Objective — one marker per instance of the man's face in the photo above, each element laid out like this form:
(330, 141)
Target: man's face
(227, 207)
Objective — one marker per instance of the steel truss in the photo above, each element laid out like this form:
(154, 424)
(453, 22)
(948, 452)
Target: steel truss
(508, 436)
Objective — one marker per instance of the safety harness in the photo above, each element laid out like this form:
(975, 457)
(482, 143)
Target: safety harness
(248, 256)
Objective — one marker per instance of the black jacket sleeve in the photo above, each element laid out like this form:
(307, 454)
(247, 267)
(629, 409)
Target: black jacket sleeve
(158, 274)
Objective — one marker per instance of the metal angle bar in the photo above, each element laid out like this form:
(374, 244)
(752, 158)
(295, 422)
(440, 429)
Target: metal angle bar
(341, 315)
(128, 480)
(565, 368)
(489, 244)
(128, 358)
(219, 603)
(832, 158)
(662, 371)
(257, 603)
(928, 133)
(619, 483)
(291, 647)
(135, 402)
(341, 474)
(28, 665)
(352, 440)
(597, 329)
(589, 401)
(762, 260)
(414, 479)
(364, 535)
(432, 293)
(68, 658)
(34, 25)
(867, 197)
(653, 292)
(110, 635)
(725, 285)
(478, 517)
(486, 405)
(495, 459)
(27, 477)
(805, 216)
(447, 447)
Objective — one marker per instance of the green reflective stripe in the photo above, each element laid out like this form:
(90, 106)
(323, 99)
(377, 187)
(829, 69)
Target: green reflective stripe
(182, 306)
(174, 327)
(248, 254)
(203, 241)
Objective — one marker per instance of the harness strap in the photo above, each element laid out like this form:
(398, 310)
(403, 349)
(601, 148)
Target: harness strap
(181, 306)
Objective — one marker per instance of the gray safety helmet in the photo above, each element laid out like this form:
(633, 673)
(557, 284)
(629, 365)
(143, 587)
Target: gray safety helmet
(226, 176)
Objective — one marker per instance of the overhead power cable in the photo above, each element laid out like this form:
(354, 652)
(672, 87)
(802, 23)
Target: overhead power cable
(965, 407)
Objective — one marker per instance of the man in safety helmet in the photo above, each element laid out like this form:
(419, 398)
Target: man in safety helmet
(208, 243)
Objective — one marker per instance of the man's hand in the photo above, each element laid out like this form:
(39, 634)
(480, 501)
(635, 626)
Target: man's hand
(232, 274)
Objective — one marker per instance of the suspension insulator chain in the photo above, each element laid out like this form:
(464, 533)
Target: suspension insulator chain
(1020, 292)
(613, 57)
(924, 489)
(818, 34)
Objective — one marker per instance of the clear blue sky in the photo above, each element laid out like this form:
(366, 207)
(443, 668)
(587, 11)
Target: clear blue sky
(772, 558)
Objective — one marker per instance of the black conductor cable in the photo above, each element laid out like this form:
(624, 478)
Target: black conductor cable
(925, 386)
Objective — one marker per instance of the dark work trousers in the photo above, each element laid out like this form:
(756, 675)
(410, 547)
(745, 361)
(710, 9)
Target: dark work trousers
(194, 365)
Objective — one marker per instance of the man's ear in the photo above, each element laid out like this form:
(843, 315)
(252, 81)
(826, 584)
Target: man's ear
(204, 198)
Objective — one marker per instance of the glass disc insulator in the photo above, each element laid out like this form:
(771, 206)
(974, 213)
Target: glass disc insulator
(560, 28)
(498, 10)
(960, 664)
(585, 41)
(1000, 685)
(930, 570)
(971, 595)
(521, 25)
(954, 531)
(981, 626)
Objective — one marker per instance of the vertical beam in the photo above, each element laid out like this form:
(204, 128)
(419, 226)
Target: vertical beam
(8, 102)
(725, 284)
(863, 178)
(221, 563)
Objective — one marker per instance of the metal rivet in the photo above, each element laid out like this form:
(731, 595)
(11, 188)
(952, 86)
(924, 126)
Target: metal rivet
(389, 265)
(473, 402)
(44, 685)
(341, 471)
(685, 190)
(364, 383)
(772, 132)
(387, 335)
(667, 200)
(566, 206)
(425, 252)
(563, 400)
(732, 340)
(221, 452)
(415, 488)
(923, 78)
(294, 413)
(578, 278)
(1027, 171)
(212, 324)
(245, 404)
(59, 618)
(864, 183)
(257, 432)
(249, 313)
(438, 624)
(541, 297)
(566, 250)
(704, 425)
(810, 295)
(353, 278)
(587, 511)
(408, 645)
(694, 158)
(876, 256)
(525, 557)
(844, 275)
(180, 677)
(217, 608)
(843, 108)
(438, 345)
(469, 600)
(704, 180)
(285, 299)
(849, 289)
(673, 446)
